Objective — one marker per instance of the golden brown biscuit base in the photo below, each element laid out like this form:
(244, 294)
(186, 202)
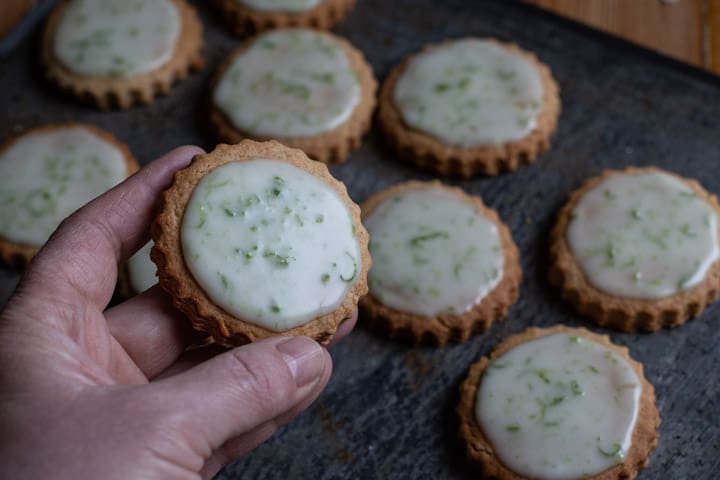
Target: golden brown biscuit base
(243, 20)
(329, 147)
(431, 154)
(480, 451)
(440, 329)
(18, 255)
(124, 92)
(627, 314)
(177, 280)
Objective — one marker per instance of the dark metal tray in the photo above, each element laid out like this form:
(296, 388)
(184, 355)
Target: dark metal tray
(389, 409)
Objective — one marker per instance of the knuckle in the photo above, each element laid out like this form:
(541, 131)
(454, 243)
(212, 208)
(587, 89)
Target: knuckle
(266, 381)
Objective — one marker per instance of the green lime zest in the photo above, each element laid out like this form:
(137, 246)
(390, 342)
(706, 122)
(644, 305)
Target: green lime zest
(542, 375)
(354, 273)
(420, 239)
(279, 260)
(615, 451)
(575, 388)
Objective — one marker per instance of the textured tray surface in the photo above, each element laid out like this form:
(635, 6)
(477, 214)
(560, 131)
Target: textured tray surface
(388, 411)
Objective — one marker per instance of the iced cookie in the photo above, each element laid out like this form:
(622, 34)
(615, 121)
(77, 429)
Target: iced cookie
(310, 90)
(470, 106)
(637, 249)
(556, 404)
(250, 16)
(52, 171)
(117, 53)
(445, 265)
(138, 273)
(255, 240)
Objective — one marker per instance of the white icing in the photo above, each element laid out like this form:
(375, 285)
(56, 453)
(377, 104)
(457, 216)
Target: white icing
(142, 271)
(270, 243)
(470, 93)
(117, 38)
(433, 253)
(559, 407)
(643, 235)
(293, 6)
(289, 83)
(50, 174)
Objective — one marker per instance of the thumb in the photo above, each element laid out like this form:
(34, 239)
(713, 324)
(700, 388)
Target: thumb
(239, 390)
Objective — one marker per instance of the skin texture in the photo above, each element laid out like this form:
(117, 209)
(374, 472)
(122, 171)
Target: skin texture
(92, 393)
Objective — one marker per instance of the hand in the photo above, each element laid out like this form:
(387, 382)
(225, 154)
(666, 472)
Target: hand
(92, 394)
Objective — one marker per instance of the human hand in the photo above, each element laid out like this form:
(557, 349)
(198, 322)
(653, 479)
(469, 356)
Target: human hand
(92, 394)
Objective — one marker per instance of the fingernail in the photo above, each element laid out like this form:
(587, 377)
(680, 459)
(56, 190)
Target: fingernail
(305, 358)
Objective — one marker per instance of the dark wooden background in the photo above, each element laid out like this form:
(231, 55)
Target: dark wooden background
(389, 409)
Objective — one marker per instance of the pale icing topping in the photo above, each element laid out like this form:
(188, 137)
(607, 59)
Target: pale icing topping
(117, 38)
(142, 271)
(270, 243)
(293, 6)
(643, 235)
(49, 175)
(559, 407)
(434, 253)
(470, 93)
(289, 83)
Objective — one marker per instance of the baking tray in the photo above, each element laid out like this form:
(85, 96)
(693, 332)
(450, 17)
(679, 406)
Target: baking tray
(388, 411)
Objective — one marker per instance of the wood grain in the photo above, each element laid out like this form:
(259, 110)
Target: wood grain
(673, 28)
(712, 36)
(11, 12)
